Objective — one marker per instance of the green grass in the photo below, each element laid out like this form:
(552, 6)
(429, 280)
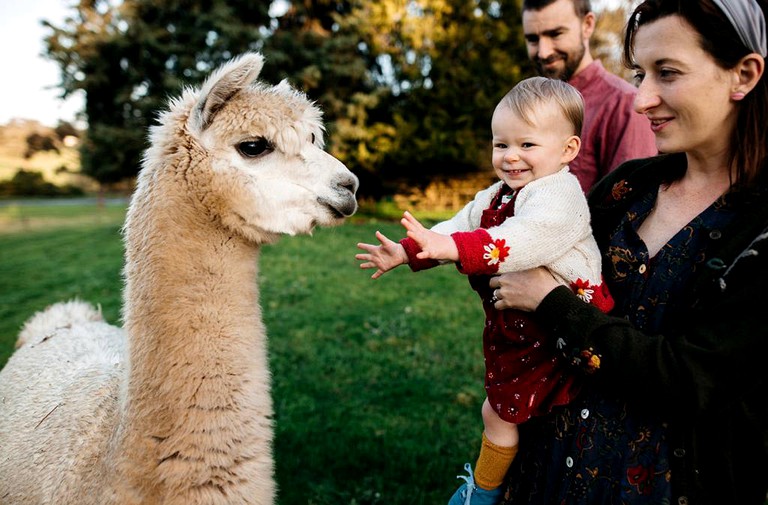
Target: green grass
(377, 385)
(56, 214)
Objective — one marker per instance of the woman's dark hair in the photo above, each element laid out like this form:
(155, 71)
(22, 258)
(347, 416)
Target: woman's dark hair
(749, 140)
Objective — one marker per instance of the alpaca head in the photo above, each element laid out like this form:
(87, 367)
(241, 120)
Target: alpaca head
(255, 154)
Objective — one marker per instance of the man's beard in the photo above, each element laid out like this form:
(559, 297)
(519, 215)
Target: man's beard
(572, 61)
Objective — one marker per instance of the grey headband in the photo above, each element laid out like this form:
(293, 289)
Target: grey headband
(748, 19)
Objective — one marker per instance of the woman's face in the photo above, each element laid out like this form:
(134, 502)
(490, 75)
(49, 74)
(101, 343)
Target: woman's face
(681, 89)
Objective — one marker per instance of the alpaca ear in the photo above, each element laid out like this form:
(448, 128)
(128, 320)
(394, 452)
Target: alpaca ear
(284, 85)
(221, 86)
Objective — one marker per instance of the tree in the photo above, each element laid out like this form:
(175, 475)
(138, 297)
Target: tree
(39, 142)
(608, 39)
(403, 83)
(66, 129)
(447, 63)
(129, 57)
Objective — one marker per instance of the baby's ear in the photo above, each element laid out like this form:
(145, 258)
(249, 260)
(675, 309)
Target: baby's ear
(571, 148)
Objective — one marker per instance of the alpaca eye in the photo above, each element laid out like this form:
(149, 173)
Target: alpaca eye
(313, 138)
(254, 148)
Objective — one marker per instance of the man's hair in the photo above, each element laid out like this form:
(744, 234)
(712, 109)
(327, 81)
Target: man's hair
(529, 94)
(582, 7)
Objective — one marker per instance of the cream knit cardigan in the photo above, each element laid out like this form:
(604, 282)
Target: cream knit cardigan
(550, 227)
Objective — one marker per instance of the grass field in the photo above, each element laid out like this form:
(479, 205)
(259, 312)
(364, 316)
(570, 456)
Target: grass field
(377, 384)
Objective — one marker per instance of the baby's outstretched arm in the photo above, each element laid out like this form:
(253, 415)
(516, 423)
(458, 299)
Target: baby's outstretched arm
(383, 257)
(433, 245)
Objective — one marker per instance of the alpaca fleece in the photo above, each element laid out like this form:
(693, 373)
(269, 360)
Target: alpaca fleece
(175, 407)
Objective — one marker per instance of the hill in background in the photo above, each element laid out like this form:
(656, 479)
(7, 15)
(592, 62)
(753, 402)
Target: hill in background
(30, 146)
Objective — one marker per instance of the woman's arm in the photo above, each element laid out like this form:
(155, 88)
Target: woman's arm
(705, 361)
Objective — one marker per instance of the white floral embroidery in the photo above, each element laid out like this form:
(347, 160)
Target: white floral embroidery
(585, 294)
(492, 254)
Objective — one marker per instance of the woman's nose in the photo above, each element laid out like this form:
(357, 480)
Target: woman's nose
(646, 98)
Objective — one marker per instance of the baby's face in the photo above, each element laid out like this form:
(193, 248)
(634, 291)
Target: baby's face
(524, 152)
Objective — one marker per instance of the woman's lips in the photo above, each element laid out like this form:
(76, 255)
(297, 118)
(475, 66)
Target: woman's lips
(658, 124)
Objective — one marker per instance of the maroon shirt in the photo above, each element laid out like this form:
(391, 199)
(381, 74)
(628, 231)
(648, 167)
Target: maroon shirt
(613, 132)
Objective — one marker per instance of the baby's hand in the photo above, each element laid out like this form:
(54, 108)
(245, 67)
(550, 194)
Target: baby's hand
(383, 257)
(433, 245)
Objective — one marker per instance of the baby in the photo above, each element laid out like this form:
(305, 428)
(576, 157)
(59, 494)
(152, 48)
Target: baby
(535, 215)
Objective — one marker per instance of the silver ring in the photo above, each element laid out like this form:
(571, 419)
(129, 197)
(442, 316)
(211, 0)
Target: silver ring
(494, 298)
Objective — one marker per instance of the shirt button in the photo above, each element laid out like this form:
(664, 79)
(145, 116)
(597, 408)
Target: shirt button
(569, 462)
(715, 234)
(584, 413)
(642, 268)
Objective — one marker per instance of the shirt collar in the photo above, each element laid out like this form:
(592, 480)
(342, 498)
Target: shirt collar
(581, 79)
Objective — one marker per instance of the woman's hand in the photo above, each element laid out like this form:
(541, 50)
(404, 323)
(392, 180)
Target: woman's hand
(522, 290)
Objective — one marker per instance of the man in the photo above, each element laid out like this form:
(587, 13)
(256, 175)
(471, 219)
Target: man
(557, 34)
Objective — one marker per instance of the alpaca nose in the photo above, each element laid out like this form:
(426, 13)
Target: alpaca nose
(349, 182)
(347, 187)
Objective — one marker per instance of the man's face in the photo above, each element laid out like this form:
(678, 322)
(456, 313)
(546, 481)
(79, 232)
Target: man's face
(557, 39)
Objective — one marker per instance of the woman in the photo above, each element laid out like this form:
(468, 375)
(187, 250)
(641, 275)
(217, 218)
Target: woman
(678, 410)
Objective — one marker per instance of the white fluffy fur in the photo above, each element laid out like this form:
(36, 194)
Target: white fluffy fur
(44, 324)
(175, 408)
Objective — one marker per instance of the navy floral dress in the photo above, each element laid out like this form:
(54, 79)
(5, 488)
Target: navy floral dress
(599, 449)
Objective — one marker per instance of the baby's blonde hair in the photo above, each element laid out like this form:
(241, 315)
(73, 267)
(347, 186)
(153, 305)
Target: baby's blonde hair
(530, 93)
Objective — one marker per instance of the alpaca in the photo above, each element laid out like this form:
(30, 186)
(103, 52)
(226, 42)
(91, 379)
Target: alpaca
(175, 407)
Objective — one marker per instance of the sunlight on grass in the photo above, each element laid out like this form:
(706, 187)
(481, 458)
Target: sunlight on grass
(18, 217)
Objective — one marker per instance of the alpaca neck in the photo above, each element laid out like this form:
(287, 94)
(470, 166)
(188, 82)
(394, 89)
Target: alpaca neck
(198, 380)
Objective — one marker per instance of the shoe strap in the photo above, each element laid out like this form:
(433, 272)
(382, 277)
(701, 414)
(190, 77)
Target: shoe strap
(470, 480)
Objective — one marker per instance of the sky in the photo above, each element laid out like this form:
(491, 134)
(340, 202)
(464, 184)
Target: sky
(28, 83)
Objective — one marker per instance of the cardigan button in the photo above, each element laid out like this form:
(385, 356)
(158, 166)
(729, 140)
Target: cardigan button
(642, 268)
(679, 452)
(716, 264)
(683, 500)
(569, 462)
(715, 234)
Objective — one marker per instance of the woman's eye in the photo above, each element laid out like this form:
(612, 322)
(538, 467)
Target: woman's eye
(254, 148)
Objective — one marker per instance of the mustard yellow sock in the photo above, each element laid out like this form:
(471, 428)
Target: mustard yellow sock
(492, 464)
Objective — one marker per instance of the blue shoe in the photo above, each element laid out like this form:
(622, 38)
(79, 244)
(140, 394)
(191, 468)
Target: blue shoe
(469, 494)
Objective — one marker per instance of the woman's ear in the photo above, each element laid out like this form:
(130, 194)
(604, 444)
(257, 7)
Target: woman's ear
(746, 75)
(571, 149)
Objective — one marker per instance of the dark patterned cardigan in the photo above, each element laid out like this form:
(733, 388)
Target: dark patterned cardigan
(707, 373)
